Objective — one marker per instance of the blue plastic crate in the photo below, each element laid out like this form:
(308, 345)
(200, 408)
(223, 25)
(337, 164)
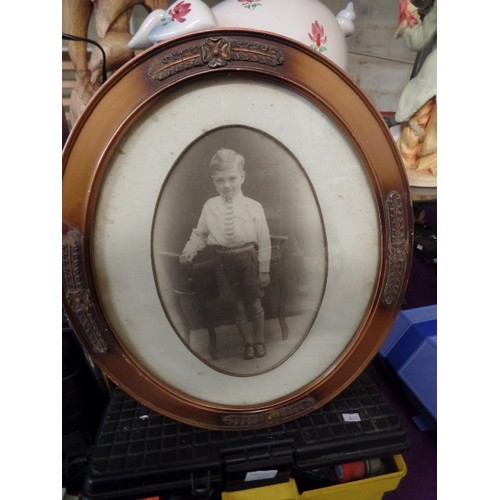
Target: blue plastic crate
(410, 350)
(419, 373)
(411, 328)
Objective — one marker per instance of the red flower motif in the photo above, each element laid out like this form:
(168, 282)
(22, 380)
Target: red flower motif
(179, 12)
(318, 34)
(408, 13)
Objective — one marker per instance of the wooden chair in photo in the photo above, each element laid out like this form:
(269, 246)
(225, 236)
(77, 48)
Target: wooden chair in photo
(278, 246)
(191, 306)
(199, 303)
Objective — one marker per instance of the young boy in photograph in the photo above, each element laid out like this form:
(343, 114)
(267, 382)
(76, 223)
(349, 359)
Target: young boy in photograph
(236, 227)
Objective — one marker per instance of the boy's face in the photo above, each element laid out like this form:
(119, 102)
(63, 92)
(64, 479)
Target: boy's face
(228, 182)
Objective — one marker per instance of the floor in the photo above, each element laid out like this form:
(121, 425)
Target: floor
(420, 482)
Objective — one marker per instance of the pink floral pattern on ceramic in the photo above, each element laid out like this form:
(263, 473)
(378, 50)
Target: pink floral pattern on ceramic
(307, 21)
(250, 4)
(318, 36)
(177, 13)
(408, 13)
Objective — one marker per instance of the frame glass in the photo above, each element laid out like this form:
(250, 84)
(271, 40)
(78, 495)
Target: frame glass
(321, 163)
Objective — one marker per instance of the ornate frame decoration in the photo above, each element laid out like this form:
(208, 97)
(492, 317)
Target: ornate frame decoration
(342, 197)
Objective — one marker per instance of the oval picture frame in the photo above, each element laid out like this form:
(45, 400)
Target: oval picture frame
(319, 159)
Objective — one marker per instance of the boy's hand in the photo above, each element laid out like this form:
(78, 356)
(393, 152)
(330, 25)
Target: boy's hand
(264, 279)
(187, 256)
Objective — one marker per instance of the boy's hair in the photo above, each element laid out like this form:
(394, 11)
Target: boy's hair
(227, 158)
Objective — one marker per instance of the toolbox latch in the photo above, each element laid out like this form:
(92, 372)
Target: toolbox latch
(201, 487)
(258, 465)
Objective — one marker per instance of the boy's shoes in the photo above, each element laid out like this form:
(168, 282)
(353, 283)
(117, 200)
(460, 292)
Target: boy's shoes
(249, 352)
(260, 350)
(252, 351)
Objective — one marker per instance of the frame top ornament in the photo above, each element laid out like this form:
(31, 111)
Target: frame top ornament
(215, 52)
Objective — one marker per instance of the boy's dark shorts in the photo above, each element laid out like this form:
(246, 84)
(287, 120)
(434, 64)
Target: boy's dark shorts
(241, 270)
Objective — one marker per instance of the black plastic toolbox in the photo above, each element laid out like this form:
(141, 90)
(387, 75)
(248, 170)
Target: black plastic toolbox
(139, 453)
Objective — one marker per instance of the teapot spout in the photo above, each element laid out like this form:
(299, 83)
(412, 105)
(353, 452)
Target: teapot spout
(141, 39)
(183, 16)
(345, 19)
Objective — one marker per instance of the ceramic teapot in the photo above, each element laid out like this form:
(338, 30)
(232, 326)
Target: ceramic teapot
(307, 21)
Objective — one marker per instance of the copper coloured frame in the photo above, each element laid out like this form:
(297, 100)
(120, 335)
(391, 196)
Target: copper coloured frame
(191, 64)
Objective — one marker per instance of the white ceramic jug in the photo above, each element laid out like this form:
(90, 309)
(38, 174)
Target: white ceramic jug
(307, 21)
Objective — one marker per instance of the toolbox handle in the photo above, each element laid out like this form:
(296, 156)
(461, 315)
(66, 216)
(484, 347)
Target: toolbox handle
(201, 489)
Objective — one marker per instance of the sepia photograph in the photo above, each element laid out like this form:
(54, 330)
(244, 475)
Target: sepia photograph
(239, 250)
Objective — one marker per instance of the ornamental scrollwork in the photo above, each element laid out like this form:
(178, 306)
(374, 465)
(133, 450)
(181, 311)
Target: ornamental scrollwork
(215, 52)
(270, 417)
(398, 248)
(77, 294)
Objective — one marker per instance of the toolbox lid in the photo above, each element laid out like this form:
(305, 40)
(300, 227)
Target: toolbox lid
(139, 452)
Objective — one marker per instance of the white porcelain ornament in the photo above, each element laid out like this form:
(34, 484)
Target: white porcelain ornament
(183, 16)
(307, 21)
